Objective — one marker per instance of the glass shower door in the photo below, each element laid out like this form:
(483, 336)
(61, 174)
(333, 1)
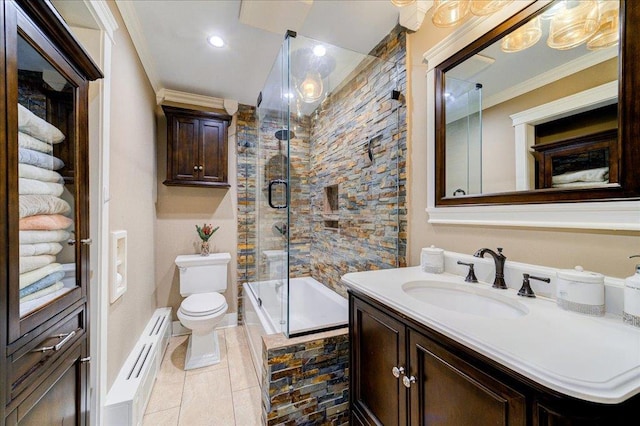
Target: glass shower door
(272, 195)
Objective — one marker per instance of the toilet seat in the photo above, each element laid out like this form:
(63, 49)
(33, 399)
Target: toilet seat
(203, 304)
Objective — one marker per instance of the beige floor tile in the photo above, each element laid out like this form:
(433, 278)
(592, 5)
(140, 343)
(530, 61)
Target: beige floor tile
(222, 365)
(167, 389)
(207, 399)
(247, 407)
(162, 418)
(235, 337)
(241, 368)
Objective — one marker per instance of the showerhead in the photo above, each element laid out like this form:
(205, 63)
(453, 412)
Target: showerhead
(285, 134)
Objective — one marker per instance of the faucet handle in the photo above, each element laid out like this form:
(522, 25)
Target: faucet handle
(526, 290)
(471, 275)
(499, 250)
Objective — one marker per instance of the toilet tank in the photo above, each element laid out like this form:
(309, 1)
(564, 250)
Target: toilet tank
(203, 274)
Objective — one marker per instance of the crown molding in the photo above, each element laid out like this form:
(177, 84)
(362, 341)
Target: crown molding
(167, 95)
(132, 23)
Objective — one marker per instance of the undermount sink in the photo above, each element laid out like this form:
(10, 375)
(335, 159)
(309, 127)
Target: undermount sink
(465, 299)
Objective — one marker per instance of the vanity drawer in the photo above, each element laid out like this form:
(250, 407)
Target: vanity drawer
(28, 363)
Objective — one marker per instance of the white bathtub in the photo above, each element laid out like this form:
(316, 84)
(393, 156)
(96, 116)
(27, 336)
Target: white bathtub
(313, 307)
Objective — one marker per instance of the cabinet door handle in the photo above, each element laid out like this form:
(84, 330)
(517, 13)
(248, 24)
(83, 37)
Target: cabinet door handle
(195, 167)
(71, 241)
(406, 381)
(65, 339)
(397, 371)
(200, 168)
(87, 241)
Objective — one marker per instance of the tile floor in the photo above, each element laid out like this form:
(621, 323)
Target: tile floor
(226, 394)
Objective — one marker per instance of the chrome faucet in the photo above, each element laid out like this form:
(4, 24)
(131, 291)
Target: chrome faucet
(499, 260)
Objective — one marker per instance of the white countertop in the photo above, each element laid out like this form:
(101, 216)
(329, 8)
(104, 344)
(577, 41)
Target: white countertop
(592, 358)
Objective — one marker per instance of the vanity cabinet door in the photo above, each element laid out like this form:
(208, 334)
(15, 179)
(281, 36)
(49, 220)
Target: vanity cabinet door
(449, 391)
(378, 344)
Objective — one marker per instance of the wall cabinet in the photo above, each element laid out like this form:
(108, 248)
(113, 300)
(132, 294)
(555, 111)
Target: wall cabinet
(44, 219)
(403, 373)
(196, 148)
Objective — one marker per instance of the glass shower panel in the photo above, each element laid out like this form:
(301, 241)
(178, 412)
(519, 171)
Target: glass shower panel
(464, 137)
(272, 194)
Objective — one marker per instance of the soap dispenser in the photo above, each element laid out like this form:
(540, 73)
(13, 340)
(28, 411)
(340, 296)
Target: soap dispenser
(631, 312)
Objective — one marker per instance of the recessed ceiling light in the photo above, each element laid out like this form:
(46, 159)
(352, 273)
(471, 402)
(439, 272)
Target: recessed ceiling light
(319, 50)
(216, 41)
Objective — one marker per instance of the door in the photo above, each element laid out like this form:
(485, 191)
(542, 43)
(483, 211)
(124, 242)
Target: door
(449, 391)
(213, 143)
(185, 145)
(378, 363)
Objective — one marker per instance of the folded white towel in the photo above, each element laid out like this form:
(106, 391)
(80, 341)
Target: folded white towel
(34, 237)
(31, 263)
(35, 126)
(32, 276)
(37, 187)
(28, 141)
(38, 249)
(590, 175)
(38, 173)
(31, 205)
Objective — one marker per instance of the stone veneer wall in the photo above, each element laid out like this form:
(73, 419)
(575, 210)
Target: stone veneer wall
(371, 215)
(306, 381)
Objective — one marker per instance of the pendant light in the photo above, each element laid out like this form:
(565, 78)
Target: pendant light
(522, 38)
(574, 24)
(311, 88)
(447, 13)
(608, 32)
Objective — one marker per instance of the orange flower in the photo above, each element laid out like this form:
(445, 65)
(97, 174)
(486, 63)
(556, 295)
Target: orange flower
(206, 231)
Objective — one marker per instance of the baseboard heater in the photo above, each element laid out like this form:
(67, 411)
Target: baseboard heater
(128, 397)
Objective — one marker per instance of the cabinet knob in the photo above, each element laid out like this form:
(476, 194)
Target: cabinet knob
(195, 167)
(406, 381)
(71, 241)
(87, 241)
(397, 371)
(200, 167)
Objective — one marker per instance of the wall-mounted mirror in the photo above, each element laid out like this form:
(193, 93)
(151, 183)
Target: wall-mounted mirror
(541, 109)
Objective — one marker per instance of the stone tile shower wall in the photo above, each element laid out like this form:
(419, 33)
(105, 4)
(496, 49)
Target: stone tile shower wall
(368, 229)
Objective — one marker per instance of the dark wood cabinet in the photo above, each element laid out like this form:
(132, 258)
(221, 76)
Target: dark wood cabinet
(441, 382)
(197, 148)
(44, 217)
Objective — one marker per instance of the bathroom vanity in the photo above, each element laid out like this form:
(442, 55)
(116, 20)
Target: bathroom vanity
(432, 349)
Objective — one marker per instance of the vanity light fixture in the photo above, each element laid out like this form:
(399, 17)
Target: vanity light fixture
(402, 3)
(447, 13)
(487, 7)
(574, 24)
(522, 38)
(608, 32)
(216, 41)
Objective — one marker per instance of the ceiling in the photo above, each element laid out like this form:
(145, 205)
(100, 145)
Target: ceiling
(171, 37)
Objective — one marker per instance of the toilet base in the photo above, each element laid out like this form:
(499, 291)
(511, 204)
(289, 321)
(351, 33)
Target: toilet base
(203, 350)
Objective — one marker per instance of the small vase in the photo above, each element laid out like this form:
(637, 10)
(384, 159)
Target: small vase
(204, 248)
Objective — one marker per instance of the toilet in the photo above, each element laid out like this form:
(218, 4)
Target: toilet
(276, 261)
(202, 280)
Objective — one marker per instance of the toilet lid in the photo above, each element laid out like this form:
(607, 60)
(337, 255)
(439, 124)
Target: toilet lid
(203, 304)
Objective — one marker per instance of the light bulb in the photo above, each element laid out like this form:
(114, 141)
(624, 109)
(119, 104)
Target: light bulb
(319, 50)
(216, 41)
(311, 88)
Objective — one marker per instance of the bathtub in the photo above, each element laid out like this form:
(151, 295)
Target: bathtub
(313, 307)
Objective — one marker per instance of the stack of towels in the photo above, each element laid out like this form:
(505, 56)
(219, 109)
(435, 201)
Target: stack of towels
(44, 222)
(589, 177)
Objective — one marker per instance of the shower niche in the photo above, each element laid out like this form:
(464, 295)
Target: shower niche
(330, 210)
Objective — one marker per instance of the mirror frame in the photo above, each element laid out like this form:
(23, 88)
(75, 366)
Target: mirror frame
(628, 128)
